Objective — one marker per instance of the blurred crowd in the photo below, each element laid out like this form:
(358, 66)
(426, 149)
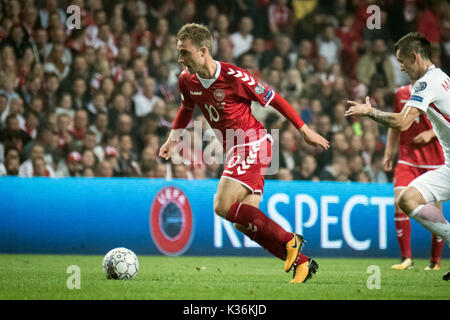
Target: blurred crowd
(99, 98)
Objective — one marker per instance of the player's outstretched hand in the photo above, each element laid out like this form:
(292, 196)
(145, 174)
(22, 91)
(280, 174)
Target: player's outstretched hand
(424, 137)
(313, 138)
(358, 109)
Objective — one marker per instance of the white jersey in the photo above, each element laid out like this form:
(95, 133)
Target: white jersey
(431, 94)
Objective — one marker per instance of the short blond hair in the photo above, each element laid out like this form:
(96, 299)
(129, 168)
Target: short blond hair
(199, 35)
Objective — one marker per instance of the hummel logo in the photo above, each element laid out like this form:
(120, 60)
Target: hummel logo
(194, 93)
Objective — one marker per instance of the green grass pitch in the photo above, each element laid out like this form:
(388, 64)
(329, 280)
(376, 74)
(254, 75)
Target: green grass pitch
(216, 278)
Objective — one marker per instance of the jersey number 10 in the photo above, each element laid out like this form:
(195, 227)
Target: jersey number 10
(213, 113)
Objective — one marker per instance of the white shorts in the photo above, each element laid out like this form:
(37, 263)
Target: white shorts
(434, 185)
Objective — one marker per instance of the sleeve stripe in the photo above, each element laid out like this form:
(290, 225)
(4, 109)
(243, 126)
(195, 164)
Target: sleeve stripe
(186, 107)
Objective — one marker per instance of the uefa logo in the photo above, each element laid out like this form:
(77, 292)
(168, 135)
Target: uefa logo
(171, 222)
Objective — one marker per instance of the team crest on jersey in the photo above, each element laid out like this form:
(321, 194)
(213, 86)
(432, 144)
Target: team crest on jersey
(259, 89)
(219, 95)
(419, 86)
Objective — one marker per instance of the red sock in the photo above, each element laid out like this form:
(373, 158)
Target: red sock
(436, 248)
(272, 247)
(301, 259)
(260, 228)
(403, 230)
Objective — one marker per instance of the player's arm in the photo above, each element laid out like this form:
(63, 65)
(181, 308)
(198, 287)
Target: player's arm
(266, 96)
(310, 136)
(392, 144)
(182, 119)
(401, 121)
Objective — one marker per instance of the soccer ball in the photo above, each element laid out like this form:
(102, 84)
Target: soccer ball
(120, 264)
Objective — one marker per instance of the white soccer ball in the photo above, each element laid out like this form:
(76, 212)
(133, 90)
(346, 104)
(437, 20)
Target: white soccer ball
(120, 264)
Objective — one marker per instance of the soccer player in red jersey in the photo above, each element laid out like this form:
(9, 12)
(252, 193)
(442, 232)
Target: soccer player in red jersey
(418, 152)
(224, 93)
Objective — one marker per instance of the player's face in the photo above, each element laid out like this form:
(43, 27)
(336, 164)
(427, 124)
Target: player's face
(408, 65)
(189, 55)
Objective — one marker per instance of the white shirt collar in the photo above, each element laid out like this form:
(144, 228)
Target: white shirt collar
(431, 67)
(206, 83)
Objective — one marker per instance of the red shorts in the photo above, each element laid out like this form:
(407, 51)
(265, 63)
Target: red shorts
(404, 174)
(247, 163)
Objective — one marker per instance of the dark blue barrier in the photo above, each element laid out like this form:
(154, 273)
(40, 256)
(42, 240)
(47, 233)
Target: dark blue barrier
(153, 216)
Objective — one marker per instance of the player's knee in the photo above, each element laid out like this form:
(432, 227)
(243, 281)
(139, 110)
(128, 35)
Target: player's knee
(221, 208)
(406, 201)
(397, 203)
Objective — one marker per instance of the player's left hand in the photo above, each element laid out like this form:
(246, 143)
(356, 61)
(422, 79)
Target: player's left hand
(358, 109)
(388, 162)
(313, 138)
(424, 137)
(166, 150)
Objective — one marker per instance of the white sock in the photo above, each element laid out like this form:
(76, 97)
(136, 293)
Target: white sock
(432, 219)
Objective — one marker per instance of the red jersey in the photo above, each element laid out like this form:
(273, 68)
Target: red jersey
(414, 154)
(225, 101)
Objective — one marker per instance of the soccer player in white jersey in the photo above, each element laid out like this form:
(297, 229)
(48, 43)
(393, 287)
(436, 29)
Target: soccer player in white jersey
(430, 95)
